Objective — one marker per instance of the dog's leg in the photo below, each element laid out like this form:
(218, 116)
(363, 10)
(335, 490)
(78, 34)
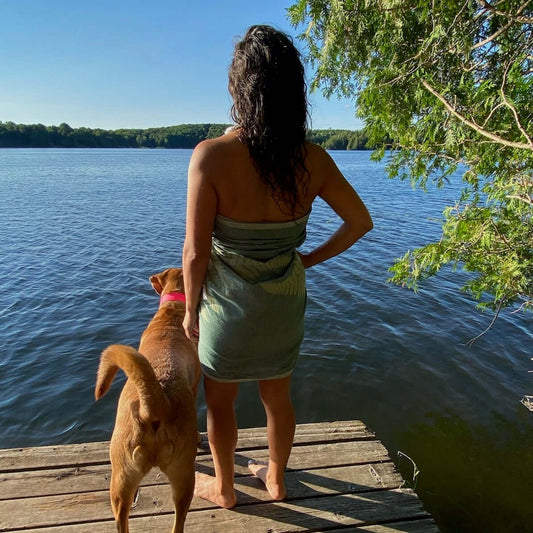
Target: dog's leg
(181, 477)
(122, 491)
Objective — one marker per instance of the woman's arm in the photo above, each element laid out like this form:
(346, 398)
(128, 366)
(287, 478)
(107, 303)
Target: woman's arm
(342, 198)
(201, 212)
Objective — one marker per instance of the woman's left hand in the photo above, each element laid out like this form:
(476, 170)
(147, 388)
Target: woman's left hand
(304, 258)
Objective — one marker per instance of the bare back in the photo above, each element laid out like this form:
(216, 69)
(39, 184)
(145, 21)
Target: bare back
(224, 181)
(241, 195)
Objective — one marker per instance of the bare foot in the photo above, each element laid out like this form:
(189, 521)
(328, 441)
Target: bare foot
(260, 470)
(206, 487)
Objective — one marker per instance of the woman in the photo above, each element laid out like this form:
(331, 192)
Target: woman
(249, 196)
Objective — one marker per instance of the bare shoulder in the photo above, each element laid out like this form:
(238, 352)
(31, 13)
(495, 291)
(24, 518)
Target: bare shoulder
(321, 167)
(318, 159)
(314, 150)
(210, 148)
(215, 153)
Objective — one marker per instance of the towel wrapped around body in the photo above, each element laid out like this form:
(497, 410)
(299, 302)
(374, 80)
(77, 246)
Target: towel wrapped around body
(252, 309)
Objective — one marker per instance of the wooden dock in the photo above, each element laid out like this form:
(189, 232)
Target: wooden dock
(340, 478)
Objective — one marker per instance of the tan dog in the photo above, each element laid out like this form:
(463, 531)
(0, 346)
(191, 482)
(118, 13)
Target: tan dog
(156, 415)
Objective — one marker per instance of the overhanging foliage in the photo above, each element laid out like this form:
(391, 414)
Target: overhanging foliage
(450, 84)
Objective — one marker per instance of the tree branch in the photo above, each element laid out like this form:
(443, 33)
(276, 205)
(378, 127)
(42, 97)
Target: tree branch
(514, 18)
(511, 106)
(492, 322)
(492, 111)
(473, 67)
(493, 137)
(493, 36)
(526, 199)
(440, 155)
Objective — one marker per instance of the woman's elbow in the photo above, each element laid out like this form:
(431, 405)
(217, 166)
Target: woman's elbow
(192, 255)
(364, 225)
(369, 224)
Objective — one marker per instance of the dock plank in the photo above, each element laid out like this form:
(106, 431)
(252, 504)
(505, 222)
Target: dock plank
(57, 482)
(339, 478)
(94, 453)
(93, 505)
(313, 514)
(425, 525)
(95, 477)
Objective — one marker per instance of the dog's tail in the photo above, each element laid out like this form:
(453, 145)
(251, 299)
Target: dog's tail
(153, 403)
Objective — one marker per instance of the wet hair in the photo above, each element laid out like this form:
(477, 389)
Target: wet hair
(267, 84)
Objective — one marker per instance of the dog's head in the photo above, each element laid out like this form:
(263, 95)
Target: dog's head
(170, 280)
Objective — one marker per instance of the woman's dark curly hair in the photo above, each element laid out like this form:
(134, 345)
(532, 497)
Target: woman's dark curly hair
(267, 83)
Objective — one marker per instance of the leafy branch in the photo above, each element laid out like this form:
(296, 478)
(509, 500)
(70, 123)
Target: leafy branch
(514, 18)
(471, 124)
(443, 84)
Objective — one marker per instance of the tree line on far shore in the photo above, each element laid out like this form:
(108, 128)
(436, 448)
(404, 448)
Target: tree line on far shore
(182, 136)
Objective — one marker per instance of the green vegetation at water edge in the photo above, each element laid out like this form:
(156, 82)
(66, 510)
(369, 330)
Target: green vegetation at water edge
(183, 136)
(63, 136)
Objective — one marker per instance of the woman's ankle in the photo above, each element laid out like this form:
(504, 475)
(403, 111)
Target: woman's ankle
(209, 488)
(274, 480)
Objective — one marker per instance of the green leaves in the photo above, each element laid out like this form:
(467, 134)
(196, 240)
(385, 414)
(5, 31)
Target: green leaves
(442, 84)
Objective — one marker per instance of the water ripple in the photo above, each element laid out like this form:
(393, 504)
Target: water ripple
(88, 227)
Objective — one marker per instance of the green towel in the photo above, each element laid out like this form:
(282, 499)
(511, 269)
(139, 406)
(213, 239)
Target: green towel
(253, 303)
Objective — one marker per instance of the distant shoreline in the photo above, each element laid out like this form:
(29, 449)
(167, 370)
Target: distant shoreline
(181, 136)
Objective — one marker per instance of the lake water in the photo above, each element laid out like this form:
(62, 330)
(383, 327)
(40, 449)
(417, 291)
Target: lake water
(82, 230)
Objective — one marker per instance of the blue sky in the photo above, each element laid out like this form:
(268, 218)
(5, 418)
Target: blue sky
(132, 64)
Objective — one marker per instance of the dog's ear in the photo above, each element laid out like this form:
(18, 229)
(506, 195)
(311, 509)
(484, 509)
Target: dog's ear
(179, 282)
(157, 282)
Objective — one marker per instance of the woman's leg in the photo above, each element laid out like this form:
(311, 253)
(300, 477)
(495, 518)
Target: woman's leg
(222, 435)
(276, 398)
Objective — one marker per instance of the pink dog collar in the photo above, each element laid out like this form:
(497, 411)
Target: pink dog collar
(172, 297)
